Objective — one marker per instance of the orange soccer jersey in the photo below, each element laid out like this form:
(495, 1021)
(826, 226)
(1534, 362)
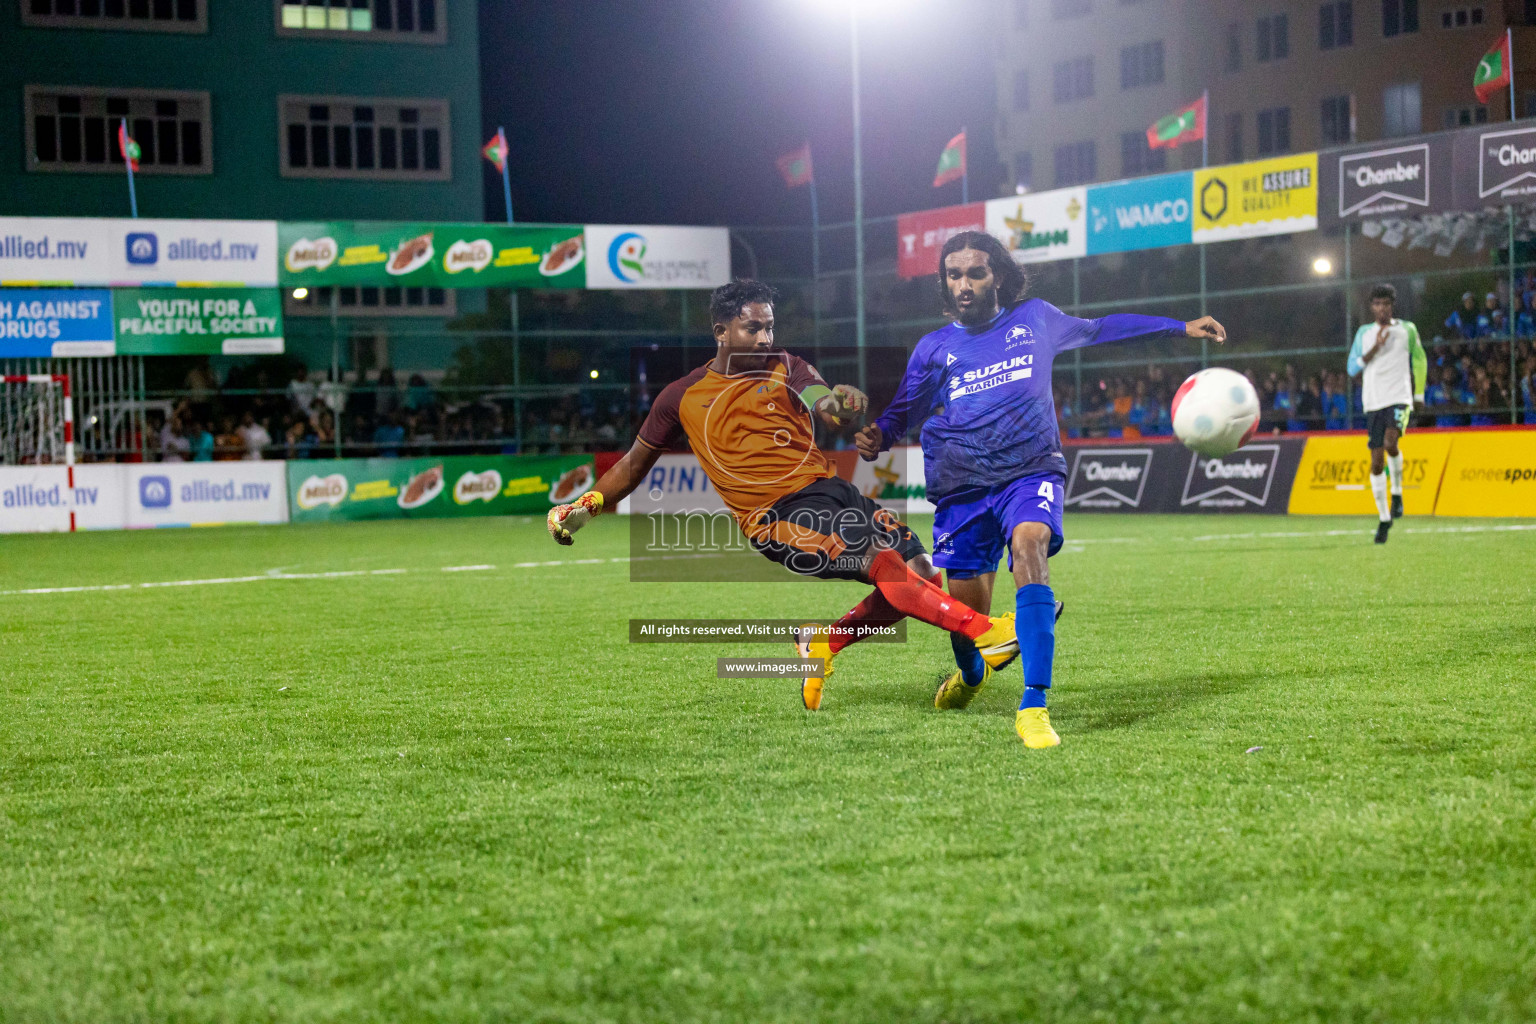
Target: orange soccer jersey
(751, 432)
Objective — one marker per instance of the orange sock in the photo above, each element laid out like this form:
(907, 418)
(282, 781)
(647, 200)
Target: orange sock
(871, 613)
(912, 595)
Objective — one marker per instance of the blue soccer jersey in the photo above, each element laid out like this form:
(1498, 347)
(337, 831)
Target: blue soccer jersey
(997, 421)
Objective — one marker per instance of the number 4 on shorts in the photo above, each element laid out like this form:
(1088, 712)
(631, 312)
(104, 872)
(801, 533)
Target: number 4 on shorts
(1048, 492)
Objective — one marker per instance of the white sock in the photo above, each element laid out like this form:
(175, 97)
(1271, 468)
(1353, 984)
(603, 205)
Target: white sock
(1395, 464)
(1379, 492)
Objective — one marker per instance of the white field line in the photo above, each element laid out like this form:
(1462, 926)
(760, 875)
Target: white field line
(1073, 546)
(278, 574)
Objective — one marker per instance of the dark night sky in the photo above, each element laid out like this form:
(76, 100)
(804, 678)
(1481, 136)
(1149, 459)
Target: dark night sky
(673, 111)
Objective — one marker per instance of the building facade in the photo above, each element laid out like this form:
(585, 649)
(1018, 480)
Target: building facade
(1079, 81)
(261, 109)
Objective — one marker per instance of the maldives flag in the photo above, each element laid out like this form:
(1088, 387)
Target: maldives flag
(795, 168)
(1181, 126)
(951, 162)
(127, 146)
(1492, 71)
(496, 151)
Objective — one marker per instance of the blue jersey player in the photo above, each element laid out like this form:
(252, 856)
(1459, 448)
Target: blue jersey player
(992, 450)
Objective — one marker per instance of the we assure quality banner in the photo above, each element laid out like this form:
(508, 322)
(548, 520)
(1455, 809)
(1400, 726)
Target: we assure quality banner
(438, 255)
(452, 485)
(39, 323)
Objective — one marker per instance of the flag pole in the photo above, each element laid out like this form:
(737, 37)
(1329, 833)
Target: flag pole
(1509, 46)
(965, 168)
(506, 178)
(815, 265)
(1205, 134)
(133, 197)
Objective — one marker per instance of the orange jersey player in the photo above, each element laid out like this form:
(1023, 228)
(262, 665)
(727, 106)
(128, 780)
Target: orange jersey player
(747, 414)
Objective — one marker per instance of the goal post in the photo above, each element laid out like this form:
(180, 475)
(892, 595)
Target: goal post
(37, 425)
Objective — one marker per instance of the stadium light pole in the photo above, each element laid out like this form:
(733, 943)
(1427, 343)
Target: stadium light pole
(858, 201)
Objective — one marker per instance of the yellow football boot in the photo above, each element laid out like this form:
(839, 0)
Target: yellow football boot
(811, 641)
(954, 695)
(998, 645)
(1034, 727)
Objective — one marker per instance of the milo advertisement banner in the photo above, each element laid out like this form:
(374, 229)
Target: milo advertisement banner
(387, 254)
(450, 485)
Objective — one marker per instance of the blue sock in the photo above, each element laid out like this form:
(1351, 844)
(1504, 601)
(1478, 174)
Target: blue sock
(972, 668)
(1036, 626)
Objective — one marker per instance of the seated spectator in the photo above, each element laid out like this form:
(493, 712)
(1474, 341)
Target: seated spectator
(174, 446)
(299, 438)
(1490, 322)
(1525, 323)
(1335, 404)
(201, 442)
(227, 446)
(1463, 322)
(253, 436)
(418, 394)
(301, 393)
(389, 435)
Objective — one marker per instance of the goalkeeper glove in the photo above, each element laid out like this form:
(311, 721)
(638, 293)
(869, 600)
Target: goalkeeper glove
(565, 520)
(850, 403)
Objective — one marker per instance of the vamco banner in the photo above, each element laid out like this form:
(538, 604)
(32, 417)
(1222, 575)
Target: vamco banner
(1147, 213)
(656, 256)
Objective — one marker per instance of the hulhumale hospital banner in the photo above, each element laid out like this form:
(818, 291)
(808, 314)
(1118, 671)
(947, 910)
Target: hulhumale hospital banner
(386, 254)
(654, 256)
(451, 485)
(107, 251)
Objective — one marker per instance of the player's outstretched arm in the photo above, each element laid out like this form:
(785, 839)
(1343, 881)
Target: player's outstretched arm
(616, 484)
(1207, 327)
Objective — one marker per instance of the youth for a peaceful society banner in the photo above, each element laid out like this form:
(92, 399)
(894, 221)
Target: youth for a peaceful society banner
(439, 255)
(198, 321)
(123, 252)
(451, 485)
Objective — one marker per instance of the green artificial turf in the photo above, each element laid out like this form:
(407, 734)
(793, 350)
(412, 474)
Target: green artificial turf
(430, 795)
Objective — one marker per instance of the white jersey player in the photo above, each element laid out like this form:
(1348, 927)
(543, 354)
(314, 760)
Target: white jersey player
(1389, 360)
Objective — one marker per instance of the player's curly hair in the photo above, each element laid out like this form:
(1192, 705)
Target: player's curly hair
(726, 302)
(1383, 291)
(1011, 280)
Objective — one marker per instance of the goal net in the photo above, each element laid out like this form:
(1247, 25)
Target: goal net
(37, 428)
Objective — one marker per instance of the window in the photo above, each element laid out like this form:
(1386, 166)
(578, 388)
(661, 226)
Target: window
(1456, 117)
(1461, 17)
(1274, 131)
(1234, 48)
(1021, 90)
(1020, 13)
(1234, 138)
(1141, 65)
(359, 137)
(1274, 41)
(1070, 8)
(141, 15)
(1076, 163)
(1023, 170)
(1400, 110)
(1338, 119)
(1399, 16)
(359, 301)
(1336, 25)
(1072, 79)
(75, 129)
(1136, 157)
(416, 21)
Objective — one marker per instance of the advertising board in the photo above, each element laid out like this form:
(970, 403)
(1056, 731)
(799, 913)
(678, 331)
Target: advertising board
(1147, 213)
(1333, 478)
(386, 254)
(655, 256)
(124, 252)
(1041, 226)
(444, 486)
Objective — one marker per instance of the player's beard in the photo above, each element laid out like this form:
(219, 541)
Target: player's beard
(983, 308)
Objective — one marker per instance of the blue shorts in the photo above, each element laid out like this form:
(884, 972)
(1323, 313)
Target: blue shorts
(971, 530)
